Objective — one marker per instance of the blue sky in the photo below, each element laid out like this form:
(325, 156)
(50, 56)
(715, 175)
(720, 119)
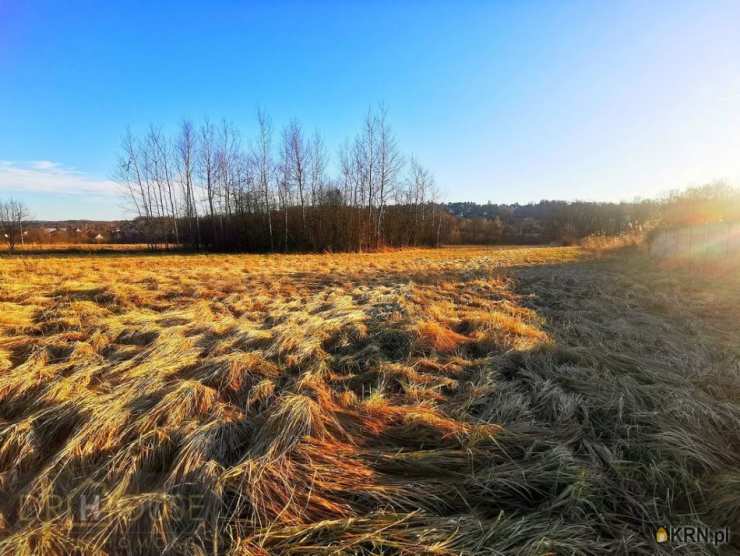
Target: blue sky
(503, 101)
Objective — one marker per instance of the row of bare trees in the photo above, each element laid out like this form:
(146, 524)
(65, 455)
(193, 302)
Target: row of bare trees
(207, 188)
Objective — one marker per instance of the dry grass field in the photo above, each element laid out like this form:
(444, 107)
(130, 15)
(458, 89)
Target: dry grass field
(453, 401)
(66, 248)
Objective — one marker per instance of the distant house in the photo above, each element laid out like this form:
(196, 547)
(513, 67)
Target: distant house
(99, 237)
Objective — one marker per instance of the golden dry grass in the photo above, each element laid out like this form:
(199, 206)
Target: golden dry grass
(460, 400)
(61, 247)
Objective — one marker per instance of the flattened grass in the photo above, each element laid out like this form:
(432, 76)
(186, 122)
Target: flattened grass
(455, 401)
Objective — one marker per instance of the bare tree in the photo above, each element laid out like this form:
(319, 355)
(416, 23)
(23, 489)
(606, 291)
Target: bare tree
(133, 174)
(298, 153)
(285, 177)
(227, 157)
(207, 170)
(12, 215)
(389, 162)
(351, 183)
(186, 149)
(365, 161)
(317, 161)
(418, 188)
(160, 157)
(263, 161)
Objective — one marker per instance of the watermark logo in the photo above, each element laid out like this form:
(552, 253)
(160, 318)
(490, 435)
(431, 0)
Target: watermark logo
(688, 534)
(89, 508)
(661, 535)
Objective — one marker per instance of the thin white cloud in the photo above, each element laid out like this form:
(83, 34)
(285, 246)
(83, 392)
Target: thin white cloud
(46, 176)
(44, 165)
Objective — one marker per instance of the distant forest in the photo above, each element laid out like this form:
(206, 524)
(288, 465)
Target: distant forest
(547, 221)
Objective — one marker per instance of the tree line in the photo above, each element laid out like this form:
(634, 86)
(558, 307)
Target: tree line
(206, 188)
(549, 221)
(570, 222)
(713, 203)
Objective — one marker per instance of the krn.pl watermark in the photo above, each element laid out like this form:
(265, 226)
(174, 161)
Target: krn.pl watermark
(692, 534)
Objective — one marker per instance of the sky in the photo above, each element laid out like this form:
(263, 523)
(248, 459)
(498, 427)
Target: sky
(503, 101)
